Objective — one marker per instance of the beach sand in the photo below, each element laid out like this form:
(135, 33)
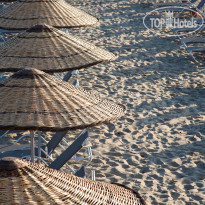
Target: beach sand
(158, 147)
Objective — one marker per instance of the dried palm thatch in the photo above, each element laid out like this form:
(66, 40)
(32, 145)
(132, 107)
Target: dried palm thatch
(23, 14)
(7, 1)
(48, 49)
(33, 100)
(23, 182)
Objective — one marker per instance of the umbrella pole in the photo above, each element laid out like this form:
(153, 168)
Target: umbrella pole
(39, 146)
(32, 146)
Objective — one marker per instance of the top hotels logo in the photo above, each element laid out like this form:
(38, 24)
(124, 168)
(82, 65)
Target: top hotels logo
(171, 20)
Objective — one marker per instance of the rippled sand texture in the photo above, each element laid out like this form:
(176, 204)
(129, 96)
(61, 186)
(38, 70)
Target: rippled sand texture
(158, 147)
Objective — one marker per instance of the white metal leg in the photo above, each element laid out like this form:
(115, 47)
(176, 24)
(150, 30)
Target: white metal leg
(32, 146)
(39, 146)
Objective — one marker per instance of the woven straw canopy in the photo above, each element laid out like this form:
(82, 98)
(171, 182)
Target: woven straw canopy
(6, 1)
(23, 182)
(33, 100)
(23, 14)
(50, 50)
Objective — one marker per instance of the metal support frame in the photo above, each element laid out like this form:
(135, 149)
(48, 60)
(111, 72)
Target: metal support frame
(16, 140)
(39, 145)
(32, 145)
(3, 33)
(4, 134)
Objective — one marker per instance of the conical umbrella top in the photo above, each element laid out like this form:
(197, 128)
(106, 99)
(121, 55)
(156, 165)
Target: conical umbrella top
(50, 50)
(33, 100)
(23, 182)
(7, 1)
(23, 14)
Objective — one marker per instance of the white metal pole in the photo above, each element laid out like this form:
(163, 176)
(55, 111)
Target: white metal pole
(39, 146)
(32, 145)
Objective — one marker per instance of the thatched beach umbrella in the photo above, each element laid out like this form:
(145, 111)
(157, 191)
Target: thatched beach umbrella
(23, 14)
(7, 1)
(48, 49)
(33, 100)
(23, 182)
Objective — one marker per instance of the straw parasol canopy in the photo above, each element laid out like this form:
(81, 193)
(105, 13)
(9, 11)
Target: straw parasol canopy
(23, 182)
(33, 100)
(23, 14)
(50, 50)
(7, 1)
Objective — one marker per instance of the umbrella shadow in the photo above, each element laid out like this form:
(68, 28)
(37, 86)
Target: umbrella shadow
(186, 153)
(184, 102)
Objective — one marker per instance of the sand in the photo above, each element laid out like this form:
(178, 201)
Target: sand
(158, 147)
